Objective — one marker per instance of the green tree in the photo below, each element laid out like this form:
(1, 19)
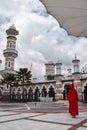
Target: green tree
(24, 76)
(50, 77)
(10, 79)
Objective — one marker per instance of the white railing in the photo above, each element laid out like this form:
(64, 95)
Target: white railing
(10, 50)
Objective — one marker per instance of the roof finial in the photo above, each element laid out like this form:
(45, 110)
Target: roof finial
(75, 56)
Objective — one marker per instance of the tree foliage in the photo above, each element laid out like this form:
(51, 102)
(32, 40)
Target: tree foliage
(50, 77)
(24, 76)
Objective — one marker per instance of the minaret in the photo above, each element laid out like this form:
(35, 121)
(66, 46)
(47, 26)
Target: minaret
(49, 69)
(58, 68)
(10, 53)
(58, 75)
(76, 64)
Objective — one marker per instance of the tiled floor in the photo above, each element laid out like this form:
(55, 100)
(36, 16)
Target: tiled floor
(41, 116)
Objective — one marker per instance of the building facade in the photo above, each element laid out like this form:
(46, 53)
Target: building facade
(55, 85)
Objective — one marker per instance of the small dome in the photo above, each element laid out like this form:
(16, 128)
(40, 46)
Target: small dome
(12, 31)
(12, 27)
(50, 62)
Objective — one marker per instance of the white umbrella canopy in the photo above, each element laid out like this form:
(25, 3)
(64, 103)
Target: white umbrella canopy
(71, 15)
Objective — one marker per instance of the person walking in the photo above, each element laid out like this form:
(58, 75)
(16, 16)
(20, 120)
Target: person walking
(73, 101)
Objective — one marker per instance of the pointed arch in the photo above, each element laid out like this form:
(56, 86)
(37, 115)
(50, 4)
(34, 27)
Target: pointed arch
(65, 84)
(84, 85)
(30, 87)
(25, 88)
(25, 92)
(65, 89)
(20, 88)
(37, 93)
(1, 93)
(52, 86)
(43, 85)
(36, 86)
(51, 92)
(13, 93)
(14, 89)
(43, 91)
(30, 93)
(19, 93)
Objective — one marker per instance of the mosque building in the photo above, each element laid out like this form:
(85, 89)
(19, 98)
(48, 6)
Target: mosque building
(55, 85)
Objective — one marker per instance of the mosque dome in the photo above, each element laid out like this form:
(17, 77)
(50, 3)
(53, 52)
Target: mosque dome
(50, 62)
(12, 27)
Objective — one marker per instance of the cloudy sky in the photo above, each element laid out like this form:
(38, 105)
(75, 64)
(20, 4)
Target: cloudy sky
(40, 37)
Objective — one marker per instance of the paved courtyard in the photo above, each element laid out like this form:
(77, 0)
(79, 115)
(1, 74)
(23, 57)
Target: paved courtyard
(41, 116)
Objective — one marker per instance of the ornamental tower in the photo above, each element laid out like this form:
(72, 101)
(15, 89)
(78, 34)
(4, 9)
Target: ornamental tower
(76, 64)
(58, 68)
(58, 75)
(50, 68)
(10, 53)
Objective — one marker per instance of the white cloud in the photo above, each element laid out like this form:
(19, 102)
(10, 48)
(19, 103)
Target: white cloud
(40, 37)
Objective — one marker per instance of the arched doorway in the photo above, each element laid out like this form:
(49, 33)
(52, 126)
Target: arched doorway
(37, 94)
(51, 92)
(19, 94)
(66, 90)
(43, 92)
(85, 93)
(30, 94)
(25, 94)
(13, 94)
(0, 93)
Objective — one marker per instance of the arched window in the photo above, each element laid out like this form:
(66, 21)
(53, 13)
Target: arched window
(9, 64)
(10, 45)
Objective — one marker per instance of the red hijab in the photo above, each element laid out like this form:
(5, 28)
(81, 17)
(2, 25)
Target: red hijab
(72, 95)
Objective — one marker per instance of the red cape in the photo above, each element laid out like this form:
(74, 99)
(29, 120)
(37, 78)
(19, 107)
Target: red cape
(73, 101)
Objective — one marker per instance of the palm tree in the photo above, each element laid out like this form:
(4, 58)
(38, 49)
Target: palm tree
(24, 76)
(10, 79)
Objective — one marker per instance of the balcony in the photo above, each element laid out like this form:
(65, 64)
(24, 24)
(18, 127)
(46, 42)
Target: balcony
(10, 52)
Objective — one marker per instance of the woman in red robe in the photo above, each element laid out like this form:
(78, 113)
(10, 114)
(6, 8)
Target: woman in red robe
(73, 101)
